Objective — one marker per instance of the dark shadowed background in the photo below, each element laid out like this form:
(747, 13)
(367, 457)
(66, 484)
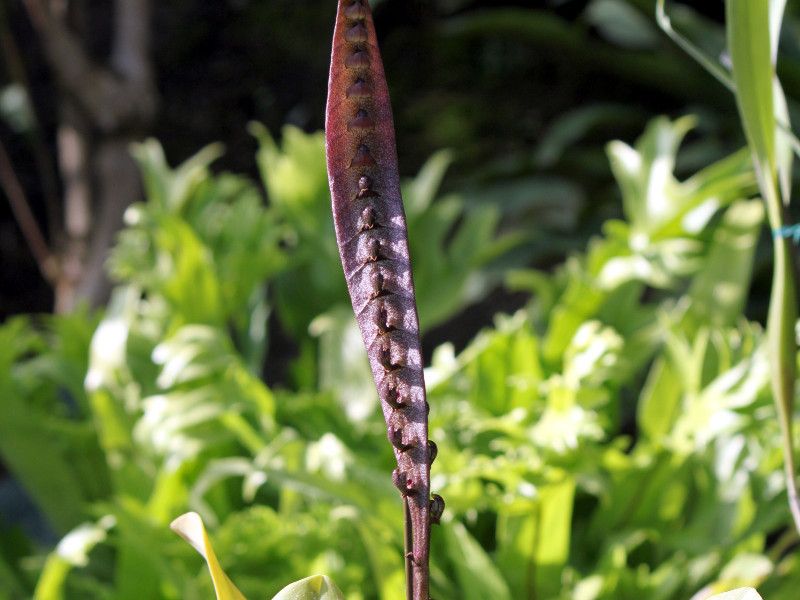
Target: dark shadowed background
(510, 86)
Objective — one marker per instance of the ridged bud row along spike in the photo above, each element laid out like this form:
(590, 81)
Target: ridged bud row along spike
(373, 243)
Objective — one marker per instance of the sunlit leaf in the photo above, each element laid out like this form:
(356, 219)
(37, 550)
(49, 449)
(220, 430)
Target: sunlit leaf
(753, 71)
(190, 527)
(316, 587)
(534, 540)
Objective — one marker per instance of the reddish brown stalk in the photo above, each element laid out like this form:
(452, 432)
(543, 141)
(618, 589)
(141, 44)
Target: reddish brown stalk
(373, 243)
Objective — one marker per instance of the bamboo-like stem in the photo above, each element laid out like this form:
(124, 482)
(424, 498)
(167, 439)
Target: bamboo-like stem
(783, 350)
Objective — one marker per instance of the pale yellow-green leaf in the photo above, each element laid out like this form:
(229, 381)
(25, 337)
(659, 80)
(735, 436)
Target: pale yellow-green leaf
(190, 527)
(746, 593)
(316, 587)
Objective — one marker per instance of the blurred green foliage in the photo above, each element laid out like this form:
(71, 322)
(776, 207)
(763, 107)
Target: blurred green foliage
(159, 405)
(614, 438)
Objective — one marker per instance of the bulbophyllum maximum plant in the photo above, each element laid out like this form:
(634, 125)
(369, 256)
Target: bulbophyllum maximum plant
(373, 244)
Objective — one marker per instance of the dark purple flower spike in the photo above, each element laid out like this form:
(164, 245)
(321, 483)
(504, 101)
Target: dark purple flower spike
(373, 243)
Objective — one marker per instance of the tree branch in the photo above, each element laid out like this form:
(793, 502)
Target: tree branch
(113, 99)
(25, 219)
(129, 54)
(44, 161)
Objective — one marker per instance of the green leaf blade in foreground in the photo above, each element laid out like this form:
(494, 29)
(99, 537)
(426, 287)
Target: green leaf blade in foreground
(190, 527)
(749, 46)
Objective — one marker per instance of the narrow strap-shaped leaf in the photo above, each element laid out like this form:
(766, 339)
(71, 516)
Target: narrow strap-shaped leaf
(749, 46)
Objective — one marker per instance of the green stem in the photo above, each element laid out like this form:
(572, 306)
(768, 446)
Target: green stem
(783, 349)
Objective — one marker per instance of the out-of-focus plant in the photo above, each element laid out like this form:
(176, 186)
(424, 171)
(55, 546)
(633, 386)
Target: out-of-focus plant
(545, 496)
(529, 413)
(613, 439)
(159, 406)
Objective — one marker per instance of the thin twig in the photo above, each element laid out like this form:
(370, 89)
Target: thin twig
(44, 161)
(25, 219)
